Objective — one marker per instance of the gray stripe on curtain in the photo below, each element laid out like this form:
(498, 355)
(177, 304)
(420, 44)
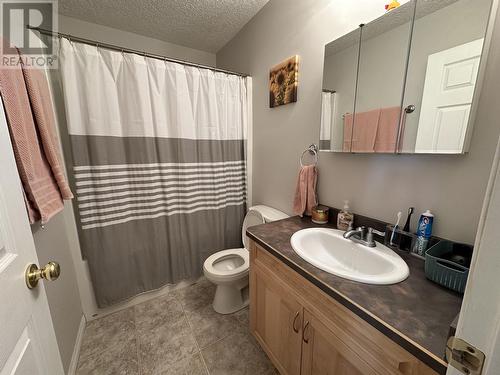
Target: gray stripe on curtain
(324, 144)
(98, 150)
(124, 261)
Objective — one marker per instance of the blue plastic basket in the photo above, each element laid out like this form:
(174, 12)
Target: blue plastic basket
(447, 273)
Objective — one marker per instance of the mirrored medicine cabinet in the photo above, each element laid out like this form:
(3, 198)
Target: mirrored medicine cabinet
(406, 82)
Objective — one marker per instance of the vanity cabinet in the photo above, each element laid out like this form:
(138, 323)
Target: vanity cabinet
(278, 323)
(304, 331)
(324, 353)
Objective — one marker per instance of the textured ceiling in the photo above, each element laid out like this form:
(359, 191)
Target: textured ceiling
(202, 24)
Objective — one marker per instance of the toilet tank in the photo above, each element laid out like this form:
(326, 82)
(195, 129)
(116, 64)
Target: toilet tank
(268, 213)
(259, 215)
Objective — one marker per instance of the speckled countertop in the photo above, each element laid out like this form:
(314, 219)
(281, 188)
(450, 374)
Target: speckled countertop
(415, 309)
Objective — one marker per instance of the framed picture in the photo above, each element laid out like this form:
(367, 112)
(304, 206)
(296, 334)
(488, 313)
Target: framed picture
(283, 81)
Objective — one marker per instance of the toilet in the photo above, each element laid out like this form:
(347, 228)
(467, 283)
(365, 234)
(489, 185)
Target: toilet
(228, 269)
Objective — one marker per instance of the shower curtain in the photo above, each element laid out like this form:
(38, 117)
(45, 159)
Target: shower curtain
(328, 100)
(159, 165)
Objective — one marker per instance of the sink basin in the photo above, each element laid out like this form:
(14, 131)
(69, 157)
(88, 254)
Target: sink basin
(328, 250)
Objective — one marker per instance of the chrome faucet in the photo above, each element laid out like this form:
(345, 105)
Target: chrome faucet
(363, 236)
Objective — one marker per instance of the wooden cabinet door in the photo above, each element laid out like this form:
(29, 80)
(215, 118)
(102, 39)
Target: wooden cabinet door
(323, 353)
(276, 320)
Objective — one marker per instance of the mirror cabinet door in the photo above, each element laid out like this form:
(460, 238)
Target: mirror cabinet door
(406, 82)
(339, 88)
(443, 67)
(382, 68)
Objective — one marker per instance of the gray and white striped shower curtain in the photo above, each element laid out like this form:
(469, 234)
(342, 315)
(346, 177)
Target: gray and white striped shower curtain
(159, 165)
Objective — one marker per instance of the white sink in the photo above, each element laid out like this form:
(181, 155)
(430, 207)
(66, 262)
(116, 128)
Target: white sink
(328, 250)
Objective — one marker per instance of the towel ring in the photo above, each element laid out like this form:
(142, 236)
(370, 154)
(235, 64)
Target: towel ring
(311, 150)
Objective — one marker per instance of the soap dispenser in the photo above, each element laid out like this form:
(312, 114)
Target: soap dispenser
(345, 217)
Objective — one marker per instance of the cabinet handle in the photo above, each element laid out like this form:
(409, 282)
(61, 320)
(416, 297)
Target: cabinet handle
(296, 330)
(306, 326)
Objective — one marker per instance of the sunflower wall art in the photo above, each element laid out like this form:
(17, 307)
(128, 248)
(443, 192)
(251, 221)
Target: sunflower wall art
(283, 81)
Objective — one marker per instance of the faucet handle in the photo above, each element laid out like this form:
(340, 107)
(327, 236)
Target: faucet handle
(362, 232)
(369, 236)
(362, 229)
(377, 232)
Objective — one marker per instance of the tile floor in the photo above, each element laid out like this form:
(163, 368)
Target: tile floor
(177, 334)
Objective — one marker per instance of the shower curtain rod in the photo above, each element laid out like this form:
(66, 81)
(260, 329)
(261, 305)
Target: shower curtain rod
(129, 50)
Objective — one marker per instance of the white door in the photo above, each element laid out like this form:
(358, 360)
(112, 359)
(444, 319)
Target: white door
(27, 341)
(479, 322)
(450, 81)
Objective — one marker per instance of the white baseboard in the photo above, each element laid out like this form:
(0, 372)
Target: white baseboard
(76, 350)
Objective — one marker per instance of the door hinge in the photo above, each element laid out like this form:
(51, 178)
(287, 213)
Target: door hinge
(464, 357)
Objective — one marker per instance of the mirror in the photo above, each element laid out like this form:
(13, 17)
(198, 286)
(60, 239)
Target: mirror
(340, 70)
(382, 68)
(443, 67)
(405, 82)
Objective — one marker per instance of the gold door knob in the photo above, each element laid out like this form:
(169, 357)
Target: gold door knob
(50, 272)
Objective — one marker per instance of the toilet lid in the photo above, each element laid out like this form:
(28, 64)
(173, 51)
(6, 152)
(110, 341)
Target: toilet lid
(252, 218)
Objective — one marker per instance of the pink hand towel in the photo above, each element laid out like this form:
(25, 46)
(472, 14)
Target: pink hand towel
(305, 192)
(365, 131)
(387, 132)
(42, 194)
(360, 136)
(41, 105)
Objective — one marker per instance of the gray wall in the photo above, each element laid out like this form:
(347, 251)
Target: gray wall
(121, 38)
(377, 185)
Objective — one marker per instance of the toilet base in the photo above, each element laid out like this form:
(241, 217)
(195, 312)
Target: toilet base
(230, 298)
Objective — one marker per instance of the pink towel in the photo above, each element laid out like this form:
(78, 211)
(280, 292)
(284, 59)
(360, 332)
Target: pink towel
(41, 105)
(387, 132)
(34, 145)
(305, 192)
(364, 133)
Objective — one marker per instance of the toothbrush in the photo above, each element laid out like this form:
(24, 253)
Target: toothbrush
(396, 226)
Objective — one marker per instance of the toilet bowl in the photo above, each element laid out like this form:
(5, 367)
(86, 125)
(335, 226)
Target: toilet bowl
(229, 269)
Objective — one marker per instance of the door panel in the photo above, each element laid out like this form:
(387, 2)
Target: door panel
(449, 87)
(24, 359)
(450, 127)
(27, 339)
(479, 319)
(323, 353)
(276, 321)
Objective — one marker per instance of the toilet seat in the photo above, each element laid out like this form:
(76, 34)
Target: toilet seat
(225, 271)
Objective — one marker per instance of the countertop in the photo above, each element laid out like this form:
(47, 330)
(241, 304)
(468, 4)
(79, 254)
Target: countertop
(417, 312)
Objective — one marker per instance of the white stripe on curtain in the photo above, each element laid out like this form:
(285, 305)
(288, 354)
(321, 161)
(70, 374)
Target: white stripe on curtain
(145, 198)
(228, 186)
(105, 219)
(164, 213)
(147, 165)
